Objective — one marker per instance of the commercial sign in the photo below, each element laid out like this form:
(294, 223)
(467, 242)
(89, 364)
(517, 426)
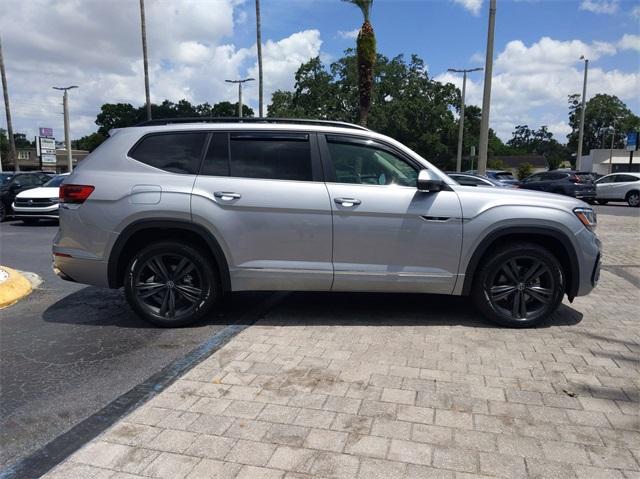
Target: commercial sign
(47, 132)
(632, 141)
(46, 149)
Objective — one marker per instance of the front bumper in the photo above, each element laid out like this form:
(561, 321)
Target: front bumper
(35, 212)
(589, 251)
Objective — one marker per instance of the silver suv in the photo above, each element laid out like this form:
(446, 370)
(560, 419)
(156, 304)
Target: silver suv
(180, 213)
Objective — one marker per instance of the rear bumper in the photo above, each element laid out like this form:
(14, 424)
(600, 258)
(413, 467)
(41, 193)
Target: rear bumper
(80, 270)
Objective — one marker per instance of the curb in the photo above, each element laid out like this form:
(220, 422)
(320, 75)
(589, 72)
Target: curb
(14, 288)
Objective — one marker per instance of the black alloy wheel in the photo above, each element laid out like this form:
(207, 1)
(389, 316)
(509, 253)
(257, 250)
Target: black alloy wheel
(170, 284)
(519, 286)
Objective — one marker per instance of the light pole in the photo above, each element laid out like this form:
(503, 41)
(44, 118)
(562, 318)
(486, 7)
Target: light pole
(612, 129)
(259, 45)
(145, 60)
(5, 90)
(67, 134)
(486, 97)
(240, 82)
(461, 127)
(582, 110)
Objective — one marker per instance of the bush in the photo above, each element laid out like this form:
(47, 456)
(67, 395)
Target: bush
(524, 170)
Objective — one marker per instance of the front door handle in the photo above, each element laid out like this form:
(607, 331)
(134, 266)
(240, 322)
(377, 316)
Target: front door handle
(347, 202)
(227, 196)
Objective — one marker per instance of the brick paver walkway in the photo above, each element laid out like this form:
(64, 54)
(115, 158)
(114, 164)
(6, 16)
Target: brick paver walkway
(409, 394)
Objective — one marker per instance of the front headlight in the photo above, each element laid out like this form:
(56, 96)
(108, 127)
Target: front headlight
(587, 217)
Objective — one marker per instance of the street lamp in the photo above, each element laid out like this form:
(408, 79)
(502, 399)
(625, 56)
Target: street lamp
(67, 135)
(461, 127)
(582, 109)
(240, 82)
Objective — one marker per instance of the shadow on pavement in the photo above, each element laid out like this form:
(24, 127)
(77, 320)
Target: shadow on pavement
(387, 309)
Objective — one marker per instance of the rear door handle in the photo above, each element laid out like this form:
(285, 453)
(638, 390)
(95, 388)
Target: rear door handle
(227, 196)
(347, 202)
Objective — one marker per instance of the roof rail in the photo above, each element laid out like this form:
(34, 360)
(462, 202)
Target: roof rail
(205, 119)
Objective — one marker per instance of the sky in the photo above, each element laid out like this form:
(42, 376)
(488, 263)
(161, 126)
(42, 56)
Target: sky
(194, 45)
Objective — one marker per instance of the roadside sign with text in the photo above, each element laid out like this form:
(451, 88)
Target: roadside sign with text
(47, 132)
(632, 141)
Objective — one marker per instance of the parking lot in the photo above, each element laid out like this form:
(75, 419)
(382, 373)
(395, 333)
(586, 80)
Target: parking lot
(339, 385)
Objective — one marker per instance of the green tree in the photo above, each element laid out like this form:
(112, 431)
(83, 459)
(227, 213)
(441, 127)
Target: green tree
(88, 142)
(366, 51)
(524, 170)
(602, 111)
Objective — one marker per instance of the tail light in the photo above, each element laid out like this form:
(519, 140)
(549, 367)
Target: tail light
(75, 193)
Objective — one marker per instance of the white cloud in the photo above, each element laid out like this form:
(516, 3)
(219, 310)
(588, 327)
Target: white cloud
(635, 12)
(630, 42)
(600, 6)
(472, 5)
(98, 47)
(350, 34)
(531, 83)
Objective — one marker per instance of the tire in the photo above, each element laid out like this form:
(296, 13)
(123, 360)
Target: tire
(30, 221)
(602, 202)
(194, 292)
(503, 294)
(633, 198)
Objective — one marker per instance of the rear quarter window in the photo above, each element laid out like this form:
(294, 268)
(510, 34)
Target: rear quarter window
(172, 152)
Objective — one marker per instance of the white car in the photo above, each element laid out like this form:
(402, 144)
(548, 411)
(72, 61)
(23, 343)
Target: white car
(619, 187)
(39, 203)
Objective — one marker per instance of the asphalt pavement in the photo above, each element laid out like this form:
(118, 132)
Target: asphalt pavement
(68, 350)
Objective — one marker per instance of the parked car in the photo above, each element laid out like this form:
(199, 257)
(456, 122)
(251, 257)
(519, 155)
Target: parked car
(467, 179)
(503, 176)
(578, 184)
(39, 203)
(19, 181)
(619, 187)
(180, 213)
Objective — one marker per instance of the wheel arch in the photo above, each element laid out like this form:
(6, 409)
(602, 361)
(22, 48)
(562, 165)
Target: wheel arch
(554, 240)
(145, 231)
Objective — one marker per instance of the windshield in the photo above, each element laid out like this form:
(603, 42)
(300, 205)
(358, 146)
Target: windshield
(55, 181)
(4, 178)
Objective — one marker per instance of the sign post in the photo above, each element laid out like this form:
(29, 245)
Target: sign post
(46, 149)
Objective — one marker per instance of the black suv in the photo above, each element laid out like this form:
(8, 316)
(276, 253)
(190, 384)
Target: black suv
(578, 184)
(17, 182)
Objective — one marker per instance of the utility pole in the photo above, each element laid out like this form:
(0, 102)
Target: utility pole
(259, 45)
(461, 127)
(145, 59)
(486, 97)
(240, 82)
(582, 110)
(613, 136)
(5, 90)
(67, 133)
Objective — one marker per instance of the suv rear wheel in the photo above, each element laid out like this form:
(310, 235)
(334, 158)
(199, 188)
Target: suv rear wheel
(633, 198)
(519, 285)
(171, 284)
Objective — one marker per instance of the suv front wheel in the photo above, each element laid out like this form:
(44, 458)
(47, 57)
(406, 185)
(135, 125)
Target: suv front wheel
(519, 285)
(171, 284)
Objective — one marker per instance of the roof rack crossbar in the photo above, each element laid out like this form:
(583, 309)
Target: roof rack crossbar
(297, 121)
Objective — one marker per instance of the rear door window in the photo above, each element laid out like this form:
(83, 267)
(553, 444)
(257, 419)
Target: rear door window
(178, 152)
(626, 178)
(272, 156)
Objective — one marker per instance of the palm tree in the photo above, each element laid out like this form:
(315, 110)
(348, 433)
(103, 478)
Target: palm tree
(366, 51)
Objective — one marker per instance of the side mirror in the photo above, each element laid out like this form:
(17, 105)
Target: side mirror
(427, 181)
